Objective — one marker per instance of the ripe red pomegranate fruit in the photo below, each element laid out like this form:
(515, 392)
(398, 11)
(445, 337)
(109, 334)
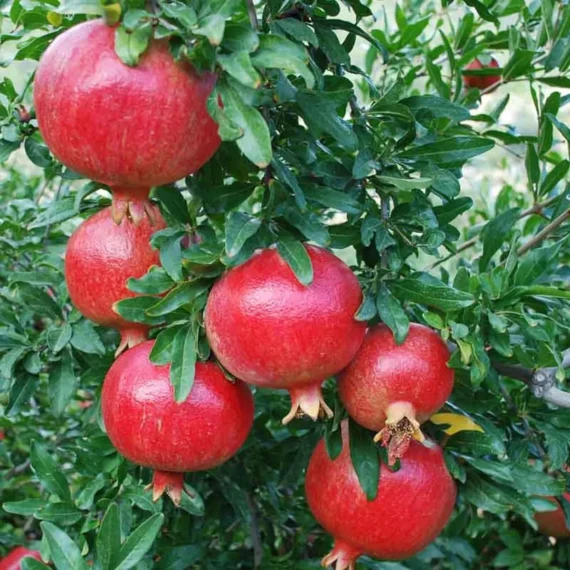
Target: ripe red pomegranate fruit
(14, 559)
(412, 506)
(128, 127)
(393, 389)
(148, 427)
(553, 523)
(481, 81)
(269, 330)
(101, 256)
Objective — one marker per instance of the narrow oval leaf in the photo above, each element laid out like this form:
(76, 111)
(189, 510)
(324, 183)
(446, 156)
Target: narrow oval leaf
(139, 542)
(65, 554)
(296, 256)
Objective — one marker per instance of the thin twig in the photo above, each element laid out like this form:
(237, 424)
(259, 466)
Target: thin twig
(252, 14)
(535, 209)
(255, 533)
(543, 234)
(18, 469)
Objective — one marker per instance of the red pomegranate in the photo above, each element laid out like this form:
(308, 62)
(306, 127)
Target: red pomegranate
(393, 389)
(481, 81)
(412, 506)
(148, 427)
(269, 330)
(129, 127)
(13, 560)
(101, 256)
(553, 523)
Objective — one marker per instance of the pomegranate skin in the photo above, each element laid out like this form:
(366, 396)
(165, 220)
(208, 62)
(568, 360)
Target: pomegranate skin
(268, 329)
(137, 126)
(149, 428)
(14, 558)
(101, 256)
(553, 523)
(412, 506)
(481, 81)
(383, 373)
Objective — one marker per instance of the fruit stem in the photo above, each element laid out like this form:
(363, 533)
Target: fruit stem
(167, 482)
(131, 336)
(343, 556)
(400, 428)
(307, 400)
(132, 202)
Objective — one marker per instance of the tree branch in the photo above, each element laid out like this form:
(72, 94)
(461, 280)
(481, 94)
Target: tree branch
(255, 533)
(543, 234)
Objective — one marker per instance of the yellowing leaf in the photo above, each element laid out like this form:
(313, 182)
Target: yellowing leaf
(54, 19)
(456, 423)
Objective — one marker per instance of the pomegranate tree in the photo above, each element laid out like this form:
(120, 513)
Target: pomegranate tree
(269, 330)
(129, 127)
(553, 523)
(411, 508)
(393, 388)
(14, 559)
(481, 81)
(148, 427)
(100, 257)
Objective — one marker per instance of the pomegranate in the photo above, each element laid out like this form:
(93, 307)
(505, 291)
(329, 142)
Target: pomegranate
(13, 560)
(148, 427)
(269, 330)
(128, 127)
(101, 256)
(393, 389)
(553, 523)
(412, 506)
(481, 81)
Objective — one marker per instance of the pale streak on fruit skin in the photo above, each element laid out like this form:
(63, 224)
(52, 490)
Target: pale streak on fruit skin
(101, 256)
(413, 375)
(271, 331)
(15, 557)
(553, 523)
(412, 507)
(138, 126)
(149, 428)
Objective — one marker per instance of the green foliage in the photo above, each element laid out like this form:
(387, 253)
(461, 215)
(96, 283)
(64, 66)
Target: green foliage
(339, 129)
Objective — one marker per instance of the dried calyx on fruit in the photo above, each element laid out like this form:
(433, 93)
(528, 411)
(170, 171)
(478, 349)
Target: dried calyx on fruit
(411, 508)
(101, 256)
(392, 389)
(148, 427)
(269, 330)
(129, 127)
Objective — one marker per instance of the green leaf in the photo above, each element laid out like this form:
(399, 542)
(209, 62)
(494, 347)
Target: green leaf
(309, 225)
(37, 153)
(155, 282)
(441, 296)
(564, 129)
(59, 337)
(86, 339)
(533, 482)
(192, 502)
(536, 262)
(7, 148)
(172, 199)
(212, 19)
(297, 31)
(21, 391)
(71, 7)
(255, 141)
(239, 66)
(48, 472)
(532, 164)
(280, 53)
(33, 564)
(554, 177)
(62, 384)
(405, 183)
(449, 152)
(183, 367)
(365, 459)
(494, 234)
(134, 309)
(109, 538)
(63, 551)
(139, 542)
(296, 256)
(239, 228)
(239, 36)
(367, 309)
(130, 45)
(161, 352)
(333, 199)
(287, 177)
(392, 314)
(519, 64)
(25, 508)
(437, 107)
(181, 12)
(63, 514)
(178, 297)
(319, 111)
(38, 301)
